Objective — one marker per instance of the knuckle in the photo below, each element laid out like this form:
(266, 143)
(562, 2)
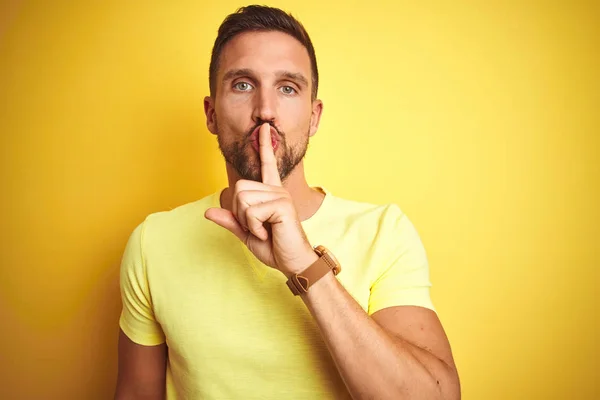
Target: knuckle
(254, 227)
(254, 223)
(239, 185)
(242, 197)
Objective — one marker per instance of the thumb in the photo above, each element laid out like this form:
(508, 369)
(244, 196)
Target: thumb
(225, 218)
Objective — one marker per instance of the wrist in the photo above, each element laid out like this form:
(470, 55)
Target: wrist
(312, 271)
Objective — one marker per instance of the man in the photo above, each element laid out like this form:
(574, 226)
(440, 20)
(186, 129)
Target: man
(226, 298)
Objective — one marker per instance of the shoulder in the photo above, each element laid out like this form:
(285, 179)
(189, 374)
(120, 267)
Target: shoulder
(381, 227)
(381, 217)
(185, 214)
(179, 222)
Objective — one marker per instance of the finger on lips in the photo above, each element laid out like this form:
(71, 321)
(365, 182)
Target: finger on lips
(251, 199)
(268, 161)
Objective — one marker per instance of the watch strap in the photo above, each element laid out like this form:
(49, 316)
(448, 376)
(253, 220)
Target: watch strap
(299, 283)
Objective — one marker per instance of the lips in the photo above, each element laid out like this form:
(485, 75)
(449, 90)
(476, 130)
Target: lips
(254, 138)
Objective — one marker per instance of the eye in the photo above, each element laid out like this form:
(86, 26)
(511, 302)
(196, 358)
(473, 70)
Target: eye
(288, 90)
(242, 86)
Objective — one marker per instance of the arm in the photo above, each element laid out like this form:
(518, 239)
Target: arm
(398, 353)
(142, 370)
(383, 356)
(142, 348)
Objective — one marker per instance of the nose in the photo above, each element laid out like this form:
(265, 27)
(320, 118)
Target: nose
(265, 105)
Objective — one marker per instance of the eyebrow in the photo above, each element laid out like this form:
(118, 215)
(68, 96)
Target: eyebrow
(294, 76)
(236, 73)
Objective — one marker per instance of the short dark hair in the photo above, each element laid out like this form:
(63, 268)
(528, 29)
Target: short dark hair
(256, 18)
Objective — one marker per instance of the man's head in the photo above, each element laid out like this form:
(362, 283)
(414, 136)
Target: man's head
(263, 69)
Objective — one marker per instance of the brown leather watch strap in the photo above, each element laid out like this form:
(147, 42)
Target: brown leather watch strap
(299, 283)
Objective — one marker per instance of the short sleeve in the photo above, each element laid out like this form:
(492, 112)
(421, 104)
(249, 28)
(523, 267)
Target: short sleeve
(137, 316)
(404, 280)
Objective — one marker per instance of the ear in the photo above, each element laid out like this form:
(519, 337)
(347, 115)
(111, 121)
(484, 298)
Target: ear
(315, 117)
(209, 111)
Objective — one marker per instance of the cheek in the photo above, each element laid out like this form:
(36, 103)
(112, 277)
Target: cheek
(297, 117)
(234, 103)
(233, 115)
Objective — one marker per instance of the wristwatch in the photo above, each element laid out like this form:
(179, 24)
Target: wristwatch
(299, 283)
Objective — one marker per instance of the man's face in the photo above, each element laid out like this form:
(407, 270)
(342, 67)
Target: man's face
(263, 77)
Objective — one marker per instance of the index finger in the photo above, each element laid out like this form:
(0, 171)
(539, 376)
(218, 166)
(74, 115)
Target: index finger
(268, 161)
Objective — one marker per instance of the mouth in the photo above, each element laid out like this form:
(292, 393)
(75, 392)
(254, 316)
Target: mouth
(254, 140)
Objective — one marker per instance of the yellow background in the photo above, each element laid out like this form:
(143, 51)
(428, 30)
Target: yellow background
(480, 120)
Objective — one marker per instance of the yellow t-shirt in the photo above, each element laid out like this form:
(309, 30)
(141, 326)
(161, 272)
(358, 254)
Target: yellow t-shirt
(233, 328)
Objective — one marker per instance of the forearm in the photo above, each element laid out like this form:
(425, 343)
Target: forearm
(372, 363)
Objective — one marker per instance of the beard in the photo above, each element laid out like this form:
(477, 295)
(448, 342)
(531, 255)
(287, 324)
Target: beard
(246, 161)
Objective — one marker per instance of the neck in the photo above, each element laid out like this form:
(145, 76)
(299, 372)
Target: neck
(306, 199)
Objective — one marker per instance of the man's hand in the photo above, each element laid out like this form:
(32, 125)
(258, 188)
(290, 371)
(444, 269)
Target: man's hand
(264, 216)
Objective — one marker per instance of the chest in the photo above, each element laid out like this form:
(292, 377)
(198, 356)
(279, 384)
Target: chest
(226, 306)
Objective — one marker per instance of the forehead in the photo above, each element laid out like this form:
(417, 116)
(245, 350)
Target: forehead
(264, 52)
